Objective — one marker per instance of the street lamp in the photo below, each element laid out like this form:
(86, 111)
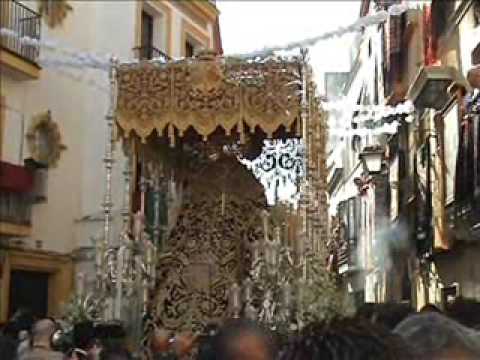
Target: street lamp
(372, 157)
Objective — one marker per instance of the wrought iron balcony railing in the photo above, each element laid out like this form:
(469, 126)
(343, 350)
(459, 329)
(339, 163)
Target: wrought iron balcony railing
(22, 21)
(150, 52)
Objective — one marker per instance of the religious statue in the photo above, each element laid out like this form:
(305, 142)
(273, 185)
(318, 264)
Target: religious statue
(267, 314)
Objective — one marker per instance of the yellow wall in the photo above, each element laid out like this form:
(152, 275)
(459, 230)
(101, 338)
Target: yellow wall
(72, 213)
(59, 268)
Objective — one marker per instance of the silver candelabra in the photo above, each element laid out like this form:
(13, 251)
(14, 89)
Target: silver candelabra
(273, 291)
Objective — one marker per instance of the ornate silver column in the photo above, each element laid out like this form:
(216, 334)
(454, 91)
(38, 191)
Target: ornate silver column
(305, 189)
(107, 205)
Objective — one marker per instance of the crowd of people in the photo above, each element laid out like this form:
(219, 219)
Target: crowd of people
(376, 332)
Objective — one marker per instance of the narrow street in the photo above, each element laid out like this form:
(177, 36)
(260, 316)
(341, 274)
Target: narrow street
(238, 180)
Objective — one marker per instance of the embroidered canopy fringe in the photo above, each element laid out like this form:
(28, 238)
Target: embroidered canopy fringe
(208, 93)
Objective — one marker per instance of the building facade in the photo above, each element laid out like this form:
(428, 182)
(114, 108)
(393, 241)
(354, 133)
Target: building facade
(409, 233)
(52, 131)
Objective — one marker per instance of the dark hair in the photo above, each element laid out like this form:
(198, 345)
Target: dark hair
(83, 334)
(23, 319)
(234, 330)
(432, 333)
(343, 339)
(430, 308)
(206, 349)
(366, 310)
(388, 315)
(115, 353)
(465, 311)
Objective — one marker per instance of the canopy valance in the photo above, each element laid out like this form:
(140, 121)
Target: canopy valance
(208, 93)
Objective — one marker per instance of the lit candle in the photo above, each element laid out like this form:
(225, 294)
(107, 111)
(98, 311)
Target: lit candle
(301, 244)
(265, 225)
(248, 290)
(300, 293)
(287, 294)
(277, 236)
(286, 239)
(255, 250)
(138, 225)
(80, 284)
(235, 296)
(304, 266)
(149, 252)
(98, 255)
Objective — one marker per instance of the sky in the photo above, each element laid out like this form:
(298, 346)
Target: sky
(251, 25)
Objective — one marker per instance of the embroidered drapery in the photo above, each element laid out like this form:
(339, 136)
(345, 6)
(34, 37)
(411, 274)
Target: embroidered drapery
(205, 94)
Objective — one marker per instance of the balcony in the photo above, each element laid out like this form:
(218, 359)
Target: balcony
(464, 213)
(19, 59)
(16, 183)
(149, 53)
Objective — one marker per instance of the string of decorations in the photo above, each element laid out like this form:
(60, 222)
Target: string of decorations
(387, 128)
(82, 59)
(370, 20)
(343, 105)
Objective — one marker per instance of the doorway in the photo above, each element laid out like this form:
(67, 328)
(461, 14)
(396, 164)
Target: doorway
(29, 290)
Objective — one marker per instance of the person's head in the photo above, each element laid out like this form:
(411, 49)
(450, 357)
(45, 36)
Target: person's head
(465, 311)
(115, 353)
(387, 315)
(430, 308)
(366, 310)
(83, 334)
(473, 77)
(43, 331)
(206, 343)
(344, 339)
(242, 340)
(23, 319)
(433, 336)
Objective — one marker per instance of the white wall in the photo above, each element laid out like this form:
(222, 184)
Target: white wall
(76, 185)
(469, 38)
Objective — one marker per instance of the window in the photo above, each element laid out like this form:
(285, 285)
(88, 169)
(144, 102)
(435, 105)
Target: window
(146, 46)
(189, 49)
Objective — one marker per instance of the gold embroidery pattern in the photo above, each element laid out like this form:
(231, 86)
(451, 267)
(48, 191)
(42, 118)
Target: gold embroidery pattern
(208, 247)
(207, 93)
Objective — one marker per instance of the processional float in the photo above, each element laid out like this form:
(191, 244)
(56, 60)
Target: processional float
(185, 127)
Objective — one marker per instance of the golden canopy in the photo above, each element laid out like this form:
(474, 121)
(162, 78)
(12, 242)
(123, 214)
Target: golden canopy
(207, 94)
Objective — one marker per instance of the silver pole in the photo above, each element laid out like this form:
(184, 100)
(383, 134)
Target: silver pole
(127, 177)
(157, 186)
(108, 161)
(305, 195)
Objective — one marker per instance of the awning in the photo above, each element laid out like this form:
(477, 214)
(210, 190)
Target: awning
(14, 178)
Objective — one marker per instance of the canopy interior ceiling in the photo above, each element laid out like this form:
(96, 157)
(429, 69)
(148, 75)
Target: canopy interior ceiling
(208, 95)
